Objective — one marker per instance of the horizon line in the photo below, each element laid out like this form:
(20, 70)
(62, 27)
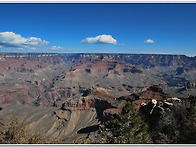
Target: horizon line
(96, 53)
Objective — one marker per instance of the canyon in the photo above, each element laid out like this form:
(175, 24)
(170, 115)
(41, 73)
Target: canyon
(66, 94)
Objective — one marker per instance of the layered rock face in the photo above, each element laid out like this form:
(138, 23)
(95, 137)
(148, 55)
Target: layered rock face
(110, 66)
(43, 79)
(23, 78)
(78, 91)
(27, 63)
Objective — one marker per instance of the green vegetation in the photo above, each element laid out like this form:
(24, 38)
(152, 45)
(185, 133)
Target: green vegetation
(16, 132)
(127, 127)
(82, 140)
(192, 109)
(177, 125)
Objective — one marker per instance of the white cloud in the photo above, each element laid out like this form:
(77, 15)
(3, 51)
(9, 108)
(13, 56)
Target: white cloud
(101, 39)
(12, 40)
(149, 41)
(55, 47)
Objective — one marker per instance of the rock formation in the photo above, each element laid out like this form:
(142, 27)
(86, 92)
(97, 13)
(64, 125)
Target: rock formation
(63, 91)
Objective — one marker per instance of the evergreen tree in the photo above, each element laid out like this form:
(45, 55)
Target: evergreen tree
(127, 127)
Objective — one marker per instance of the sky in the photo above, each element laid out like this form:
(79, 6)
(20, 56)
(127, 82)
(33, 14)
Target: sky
(142, 28)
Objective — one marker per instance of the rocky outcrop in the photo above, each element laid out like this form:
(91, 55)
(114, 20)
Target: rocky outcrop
(107, 105)
(164, 114)
(152, 99)
(158, 107)
(153, 92)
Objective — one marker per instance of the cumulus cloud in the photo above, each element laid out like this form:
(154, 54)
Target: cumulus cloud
(12, 40)
(149, 41)
(101, 39)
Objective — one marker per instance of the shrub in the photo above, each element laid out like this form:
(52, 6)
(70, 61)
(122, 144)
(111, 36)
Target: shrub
(16, 132)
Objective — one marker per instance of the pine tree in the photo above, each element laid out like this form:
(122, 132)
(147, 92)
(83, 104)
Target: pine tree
(127, 127)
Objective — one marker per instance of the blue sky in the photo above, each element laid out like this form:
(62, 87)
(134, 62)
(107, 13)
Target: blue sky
(98, 28)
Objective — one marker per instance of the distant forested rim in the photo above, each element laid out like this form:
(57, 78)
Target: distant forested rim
(138, 59)
(135, 59)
